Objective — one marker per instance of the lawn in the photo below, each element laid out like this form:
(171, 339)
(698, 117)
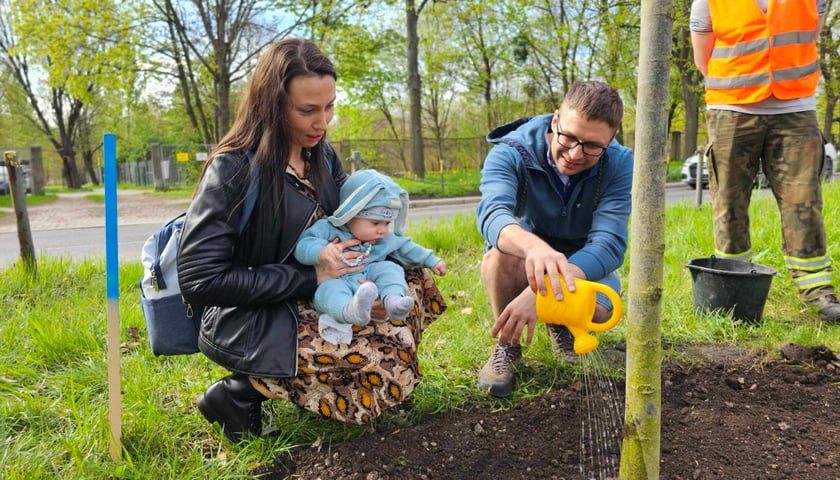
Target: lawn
(53, 395)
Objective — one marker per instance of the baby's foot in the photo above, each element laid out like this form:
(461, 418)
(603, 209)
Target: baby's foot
(357, 310)
(398, 306)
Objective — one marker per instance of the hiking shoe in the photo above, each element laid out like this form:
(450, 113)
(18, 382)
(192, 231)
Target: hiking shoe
(496, 376)
(562, 342)
(828, 307)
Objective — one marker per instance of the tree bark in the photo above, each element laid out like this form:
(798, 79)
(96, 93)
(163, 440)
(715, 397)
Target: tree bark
(692, 114)
(412, 14)
(827, 43)
(642, 417)
(87, 157)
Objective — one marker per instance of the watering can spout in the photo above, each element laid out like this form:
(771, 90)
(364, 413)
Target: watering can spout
(585, 342)
(577, 310)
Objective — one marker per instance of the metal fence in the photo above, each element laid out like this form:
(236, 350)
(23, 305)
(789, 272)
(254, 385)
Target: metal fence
(181, 164)
(394, 157)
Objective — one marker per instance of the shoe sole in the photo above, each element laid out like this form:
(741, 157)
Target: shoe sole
(496, 390)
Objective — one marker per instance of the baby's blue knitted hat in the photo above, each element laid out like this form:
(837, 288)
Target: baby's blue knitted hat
(370, 194)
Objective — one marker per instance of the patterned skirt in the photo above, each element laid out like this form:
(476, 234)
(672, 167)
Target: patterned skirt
(377, 370)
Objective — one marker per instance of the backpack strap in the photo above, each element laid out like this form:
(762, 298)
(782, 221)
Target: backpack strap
(161, 238)
(521, 174)
(173, 226)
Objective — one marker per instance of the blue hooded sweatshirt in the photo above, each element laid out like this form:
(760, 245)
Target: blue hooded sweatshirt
(591, 229)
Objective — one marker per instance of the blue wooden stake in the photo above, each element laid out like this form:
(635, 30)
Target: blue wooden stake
(112, 274)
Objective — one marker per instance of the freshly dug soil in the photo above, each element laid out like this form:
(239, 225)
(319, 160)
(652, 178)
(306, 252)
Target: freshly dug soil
(733, 415)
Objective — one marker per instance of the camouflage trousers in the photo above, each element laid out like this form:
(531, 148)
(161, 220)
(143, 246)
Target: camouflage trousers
(789, 149)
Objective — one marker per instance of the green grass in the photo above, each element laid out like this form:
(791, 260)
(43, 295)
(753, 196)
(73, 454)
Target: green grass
(53, 393)
(6, 200)
(455, 183)
(673, 174)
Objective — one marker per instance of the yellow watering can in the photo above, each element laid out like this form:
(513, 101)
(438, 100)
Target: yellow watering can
(576, 309)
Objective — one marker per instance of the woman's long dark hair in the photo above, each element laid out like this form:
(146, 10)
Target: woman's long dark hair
(260, 123)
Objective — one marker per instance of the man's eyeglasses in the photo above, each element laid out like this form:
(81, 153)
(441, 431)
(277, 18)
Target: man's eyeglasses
(592, 149)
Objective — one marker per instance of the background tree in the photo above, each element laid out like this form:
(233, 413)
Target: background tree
(618, 42)
(560, 38)
(643, 396)
(484, 43)
(371, 71)
(492, 60)
(222, 39)
(689, 78)
(415, 120)
(829, 45)
(62, 54)
(559, 42)
(440, 85)
(89, 141)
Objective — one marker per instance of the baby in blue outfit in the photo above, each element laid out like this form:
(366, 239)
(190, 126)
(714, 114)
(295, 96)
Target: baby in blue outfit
(370, 203)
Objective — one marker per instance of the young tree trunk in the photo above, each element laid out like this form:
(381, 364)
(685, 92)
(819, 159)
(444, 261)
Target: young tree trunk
(642, 417)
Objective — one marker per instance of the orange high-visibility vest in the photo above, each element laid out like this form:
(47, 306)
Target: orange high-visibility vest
(757, 55)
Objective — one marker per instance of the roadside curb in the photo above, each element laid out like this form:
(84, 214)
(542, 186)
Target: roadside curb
(474, 199)
(431, 202)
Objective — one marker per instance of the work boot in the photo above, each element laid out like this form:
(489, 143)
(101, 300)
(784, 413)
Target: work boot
(496, 376)
(562, 342)
(235, 404)
(828, 307)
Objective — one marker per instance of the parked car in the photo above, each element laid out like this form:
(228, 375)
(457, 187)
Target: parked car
(5, 185)
(688, 173)
(27, 176)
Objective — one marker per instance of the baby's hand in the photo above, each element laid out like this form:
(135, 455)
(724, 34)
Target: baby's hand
(440, 268)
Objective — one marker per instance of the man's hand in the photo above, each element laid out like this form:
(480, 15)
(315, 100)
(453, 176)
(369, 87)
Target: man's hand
(518, 314)
(542, 260)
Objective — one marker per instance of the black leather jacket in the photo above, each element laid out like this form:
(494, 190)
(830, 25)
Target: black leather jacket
(249, 283)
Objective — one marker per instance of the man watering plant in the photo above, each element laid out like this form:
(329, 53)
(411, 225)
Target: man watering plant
(555, 201)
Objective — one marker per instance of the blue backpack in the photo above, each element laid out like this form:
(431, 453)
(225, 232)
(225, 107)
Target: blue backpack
(172, 323)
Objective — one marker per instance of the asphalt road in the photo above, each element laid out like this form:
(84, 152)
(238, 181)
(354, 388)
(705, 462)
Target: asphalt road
(79, 243)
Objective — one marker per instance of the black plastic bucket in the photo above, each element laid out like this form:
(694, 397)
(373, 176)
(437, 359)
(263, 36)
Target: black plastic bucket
(726, 284)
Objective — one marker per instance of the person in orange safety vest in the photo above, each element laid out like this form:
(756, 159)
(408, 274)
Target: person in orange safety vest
(761, 67)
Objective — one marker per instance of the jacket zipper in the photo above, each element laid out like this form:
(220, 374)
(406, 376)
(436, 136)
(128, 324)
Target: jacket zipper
(293, 311)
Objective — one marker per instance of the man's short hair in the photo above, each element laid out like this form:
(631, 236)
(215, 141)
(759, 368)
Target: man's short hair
(595, 100)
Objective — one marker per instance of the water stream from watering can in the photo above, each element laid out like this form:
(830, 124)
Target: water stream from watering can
(601, 418)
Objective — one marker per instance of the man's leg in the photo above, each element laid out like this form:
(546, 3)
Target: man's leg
(794, 154)
(737, 140)
(504, 278)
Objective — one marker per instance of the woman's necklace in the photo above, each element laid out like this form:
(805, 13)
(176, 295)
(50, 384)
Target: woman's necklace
(305, 175)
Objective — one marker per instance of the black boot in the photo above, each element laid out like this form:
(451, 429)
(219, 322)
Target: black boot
(235, 404)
